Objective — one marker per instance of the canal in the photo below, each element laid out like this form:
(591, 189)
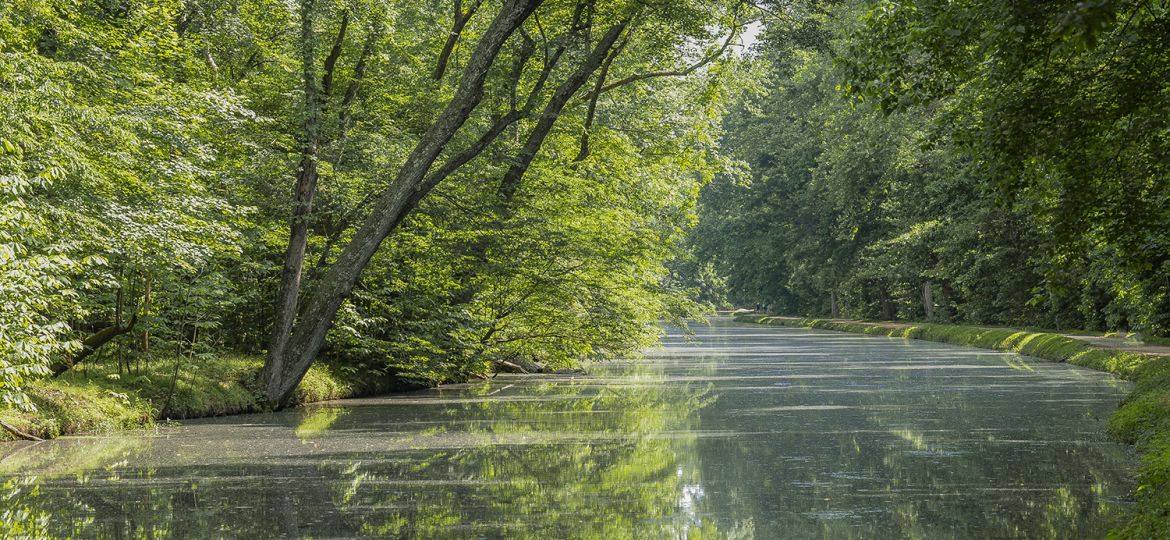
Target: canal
(738, 431)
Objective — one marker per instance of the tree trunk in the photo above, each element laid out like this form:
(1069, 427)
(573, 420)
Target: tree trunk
(18, 433)
(887, 305)
(284, 314)
(146, 301)
(120, 296)
(834, 307)
(92, 343)
(290, 358)
(928, 300)
(162, 412)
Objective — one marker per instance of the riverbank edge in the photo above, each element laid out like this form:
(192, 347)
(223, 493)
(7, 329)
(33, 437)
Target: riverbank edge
(1142, 419)
(98, 400)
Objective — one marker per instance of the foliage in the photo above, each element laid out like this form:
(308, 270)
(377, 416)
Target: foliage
(149, 148)
(108, 178)
(1021, 82)
(913, 145)
(35, 287)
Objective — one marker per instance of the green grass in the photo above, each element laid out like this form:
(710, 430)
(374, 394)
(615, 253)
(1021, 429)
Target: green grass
(1143, 419)
(1156, 340)
(96, 399)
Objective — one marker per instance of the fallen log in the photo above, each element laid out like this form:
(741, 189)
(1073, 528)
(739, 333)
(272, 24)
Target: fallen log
(18, 433)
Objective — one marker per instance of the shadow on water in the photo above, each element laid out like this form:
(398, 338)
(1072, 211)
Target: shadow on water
(744, 432)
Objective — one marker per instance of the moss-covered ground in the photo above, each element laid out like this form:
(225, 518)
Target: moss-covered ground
(1143, 419)
(97, 399)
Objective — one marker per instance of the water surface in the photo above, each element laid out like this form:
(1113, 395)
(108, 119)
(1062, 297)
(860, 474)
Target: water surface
(739, 432)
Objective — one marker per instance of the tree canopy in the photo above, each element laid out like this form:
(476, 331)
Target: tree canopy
(976, 162)
(422, 190)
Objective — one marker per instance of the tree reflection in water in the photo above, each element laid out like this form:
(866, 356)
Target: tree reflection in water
(526, 459)
(812, 435)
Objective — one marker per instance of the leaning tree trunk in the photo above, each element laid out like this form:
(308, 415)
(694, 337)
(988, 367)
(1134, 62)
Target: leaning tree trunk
(282, 372)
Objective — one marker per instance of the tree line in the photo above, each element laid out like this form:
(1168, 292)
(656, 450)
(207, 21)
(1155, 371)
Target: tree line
(422, 190)
(989, 162)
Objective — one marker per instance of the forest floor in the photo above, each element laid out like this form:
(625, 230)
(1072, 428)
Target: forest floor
(1142, 419)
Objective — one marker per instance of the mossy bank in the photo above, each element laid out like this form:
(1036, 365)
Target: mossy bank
(1143, 419)
(97, 398)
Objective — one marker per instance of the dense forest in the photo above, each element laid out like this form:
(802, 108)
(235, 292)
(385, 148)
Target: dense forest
(425, 191)
(995, 162)
(433, 191)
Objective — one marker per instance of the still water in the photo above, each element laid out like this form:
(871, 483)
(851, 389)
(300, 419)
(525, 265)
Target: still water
(737, 432)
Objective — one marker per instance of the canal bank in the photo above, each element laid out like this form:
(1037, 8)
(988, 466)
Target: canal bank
(1142, 419)
(100, 398)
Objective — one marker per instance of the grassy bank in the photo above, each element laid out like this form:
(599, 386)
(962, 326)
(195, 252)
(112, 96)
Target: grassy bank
(97, 399)
(1143, 419)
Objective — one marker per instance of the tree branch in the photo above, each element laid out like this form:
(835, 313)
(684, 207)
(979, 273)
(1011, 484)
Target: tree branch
(334, 54)
(593, 97)
(92, 343)
(677, 72)
(457, 26)
(553, 108)
(462, 158)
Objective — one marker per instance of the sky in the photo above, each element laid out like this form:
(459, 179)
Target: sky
(751, 35)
